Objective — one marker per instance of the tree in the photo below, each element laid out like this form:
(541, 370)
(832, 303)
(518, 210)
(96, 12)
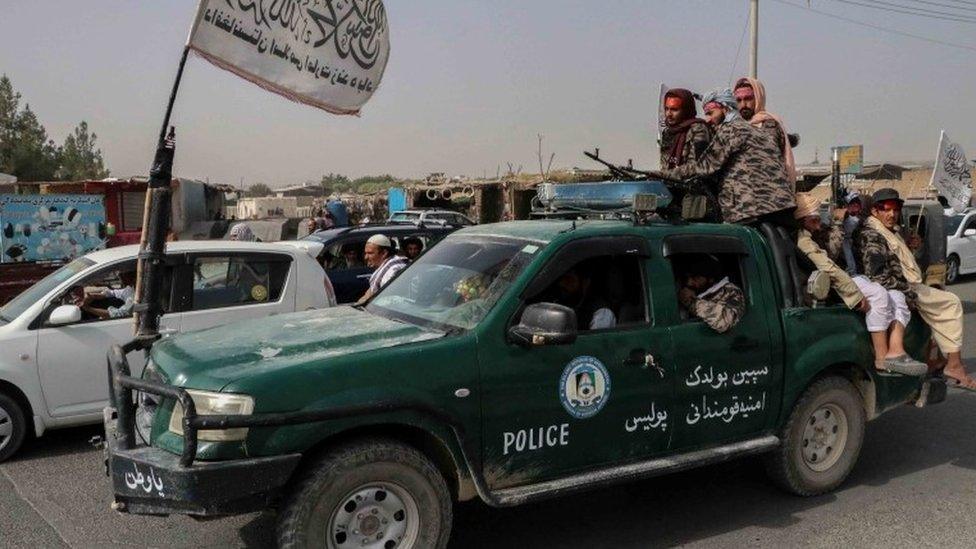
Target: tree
(335, 183)
(258, 190)
(9, 103)
(33, 157)
(79, 158)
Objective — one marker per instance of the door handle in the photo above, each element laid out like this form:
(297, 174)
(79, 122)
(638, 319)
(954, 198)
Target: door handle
(741, 344)
(362, 276)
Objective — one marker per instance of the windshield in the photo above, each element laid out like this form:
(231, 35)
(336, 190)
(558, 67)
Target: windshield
(35, 293)
(456, 283)
(952, 224)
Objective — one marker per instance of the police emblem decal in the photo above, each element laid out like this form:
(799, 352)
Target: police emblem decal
(584, 387)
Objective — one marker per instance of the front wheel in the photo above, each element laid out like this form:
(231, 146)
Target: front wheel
(952, 269)
(13, 427)
(822, 439)
(373, 493)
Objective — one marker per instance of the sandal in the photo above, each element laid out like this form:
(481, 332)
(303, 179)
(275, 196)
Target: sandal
(967, 384)
(905, 365)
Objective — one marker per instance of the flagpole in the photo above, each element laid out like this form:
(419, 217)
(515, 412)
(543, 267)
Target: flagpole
(938, 152)
(155, 218)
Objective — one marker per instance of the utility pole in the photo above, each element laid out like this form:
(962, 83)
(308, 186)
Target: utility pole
(754, 27)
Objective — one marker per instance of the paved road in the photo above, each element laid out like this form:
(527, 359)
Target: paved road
(915, 484)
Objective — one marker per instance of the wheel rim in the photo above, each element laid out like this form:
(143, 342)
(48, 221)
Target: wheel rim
(953, 270)
(824, 437)
(6, 428)
(376, 515)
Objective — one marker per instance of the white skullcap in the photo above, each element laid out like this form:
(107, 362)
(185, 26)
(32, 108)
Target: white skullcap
(380, 240)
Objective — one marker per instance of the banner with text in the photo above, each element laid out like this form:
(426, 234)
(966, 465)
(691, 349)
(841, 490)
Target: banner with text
(329, 54)
(952, 175)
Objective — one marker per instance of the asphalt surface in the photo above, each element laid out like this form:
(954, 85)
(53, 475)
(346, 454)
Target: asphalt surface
(914, 485)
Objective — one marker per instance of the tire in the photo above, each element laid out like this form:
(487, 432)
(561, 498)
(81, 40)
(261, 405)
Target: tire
(399, 491)
(808, 462)
(952, 269)
(13, 427)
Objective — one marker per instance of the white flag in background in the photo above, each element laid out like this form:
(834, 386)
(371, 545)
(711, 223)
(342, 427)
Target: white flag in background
(329, 54)
(952, 175)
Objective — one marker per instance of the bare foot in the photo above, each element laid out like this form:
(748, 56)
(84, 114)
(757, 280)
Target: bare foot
(958, 373)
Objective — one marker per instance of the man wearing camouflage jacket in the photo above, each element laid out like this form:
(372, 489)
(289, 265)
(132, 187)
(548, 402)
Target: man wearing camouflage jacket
(710, 296)
(885, 258)
(752, 180)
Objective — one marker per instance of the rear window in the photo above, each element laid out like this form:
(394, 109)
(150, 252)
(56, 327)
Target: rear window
(230, 281)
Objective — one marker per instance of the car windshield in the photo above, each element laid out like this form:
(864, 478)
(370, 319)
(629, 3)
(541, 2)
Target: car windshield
(35, 293)
(456, 283)
(952, 224)
(405, 216)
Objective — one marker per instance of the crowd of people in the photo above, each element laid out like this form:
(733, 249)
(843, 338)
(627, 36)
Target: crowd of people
(736, 165)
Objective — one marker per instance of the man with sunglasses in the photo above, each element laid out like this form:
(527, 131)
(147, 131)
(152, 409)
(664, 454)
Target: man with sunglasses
(885, 258)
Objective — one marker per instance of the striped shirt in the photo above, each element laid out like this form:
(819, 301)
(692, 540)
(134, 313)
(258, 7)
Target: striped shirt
(385, 273)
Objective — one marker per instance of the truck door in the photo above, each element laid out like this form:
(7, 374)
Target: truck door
(725, 382)
(552, 410)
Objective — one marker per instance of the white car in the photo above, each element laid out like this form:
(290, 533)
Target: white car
(433, 217)
(960, 244)
(55, 335)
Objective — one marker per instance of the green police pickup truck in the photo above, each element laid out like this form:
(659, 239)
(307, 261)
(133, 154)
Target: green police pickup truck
(511, 362)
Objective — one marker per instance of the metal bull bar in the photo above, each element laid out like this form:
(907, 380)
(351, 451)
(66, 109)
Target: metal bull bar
(122, 384)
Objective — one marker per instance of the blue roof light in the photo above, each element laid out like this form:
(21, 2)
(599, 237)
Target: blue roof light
(604, 196)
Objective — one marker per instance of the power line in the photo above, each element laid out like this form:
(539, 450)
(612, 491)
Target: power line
(969, 2)
(930, 15)
(924, 10)
(878, 27)
(738, 50)
(951, 7)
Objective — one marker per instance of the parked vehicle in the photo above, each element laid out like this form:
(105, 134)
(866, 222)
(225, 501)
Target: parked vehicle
(342, 252)
(52, 351)
(431, 216)
(960, 231)
(463, 379)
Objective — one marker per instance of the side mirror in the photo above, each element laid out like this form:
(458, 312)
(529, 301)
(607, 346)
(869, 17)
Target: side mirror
(545, 324)
(969, 232)
(63, 315)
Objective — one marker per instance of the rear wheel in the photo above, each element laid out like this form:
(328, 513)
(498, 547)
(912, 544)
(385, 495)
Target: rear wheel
(13, 426)
(374, 494)
(822, 439)
(952, 269)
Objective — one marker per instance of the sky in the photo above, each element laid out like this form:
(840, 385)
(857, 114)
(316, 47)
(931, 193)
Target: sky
(471, 83)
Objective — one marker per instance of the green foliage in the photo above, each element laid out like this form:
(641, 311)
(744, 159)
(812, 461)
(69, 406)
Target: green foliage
(27, 152)
(338, 183)
(79, 157)
(33, 157)
(258, 190)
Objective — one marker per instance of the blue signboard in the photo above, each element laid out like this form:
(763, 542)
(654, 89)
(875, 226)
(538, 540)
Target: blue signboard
(50, 227)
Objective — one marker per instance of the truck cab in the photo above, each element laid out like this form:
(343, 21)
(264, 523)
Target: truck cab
(510, 363)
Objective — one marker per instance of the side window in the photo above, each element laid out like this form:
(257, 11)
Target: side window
(227, 281)
(605, 291)
(701, 275)
(345, 255)
(110, 293)
(970, 224)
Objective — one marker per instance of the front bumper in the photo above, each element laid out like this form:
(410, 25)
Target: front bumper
(151, 481)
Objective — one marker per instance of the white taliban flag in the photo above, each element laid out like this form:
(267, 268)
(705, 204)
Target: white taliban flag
(952, 175)
(329, 54)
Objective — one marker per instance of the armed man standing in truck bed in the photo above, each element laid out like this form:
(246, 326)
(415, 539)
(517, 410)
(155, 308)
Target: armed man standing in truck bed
(752, 178)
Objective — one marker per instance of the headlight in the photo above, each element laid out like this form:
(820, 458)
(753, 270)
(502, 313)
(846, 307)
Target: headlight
(211, 404)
